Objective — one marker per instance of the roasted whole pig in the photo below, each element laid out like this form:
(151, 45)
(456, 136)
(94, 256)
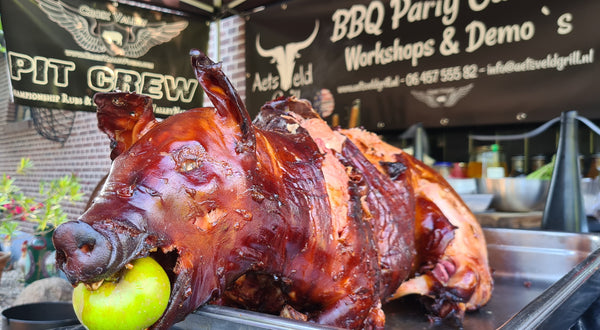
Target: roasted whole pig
(281, 215)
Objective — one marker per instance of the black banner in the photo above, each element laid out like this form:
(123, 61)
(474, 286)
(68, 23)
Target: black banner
(62, 52)
(441, 63)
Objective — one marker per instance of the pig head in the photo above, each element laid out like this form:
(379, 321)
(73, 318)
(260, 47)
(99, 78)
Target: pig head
(176, 190)
(236, 213)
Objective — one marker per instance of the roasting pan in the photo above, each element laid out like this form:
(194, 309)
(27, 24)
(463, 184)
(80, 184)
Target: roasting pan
(543, 279)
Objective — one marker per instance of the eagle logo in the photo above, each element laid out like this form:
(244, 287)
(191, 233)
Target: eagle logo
(111, 38)
(442, 97)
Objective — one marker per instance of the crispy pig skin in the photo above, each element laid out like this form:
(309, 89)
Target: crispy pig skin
(280, 215)
(452, 262)
(388, 206)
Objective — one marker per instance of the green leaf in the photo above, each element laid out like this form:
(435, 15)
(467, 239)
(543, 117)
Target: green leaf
(51, 194)
(8, 228)
(25, 165)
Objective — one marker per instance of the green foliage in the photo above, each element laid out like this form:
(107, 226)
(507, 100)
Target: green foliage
(25, 165)
(45, 212)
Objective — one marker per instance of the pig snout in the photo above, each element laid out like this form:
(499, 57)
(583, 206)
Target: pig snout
(82, 253)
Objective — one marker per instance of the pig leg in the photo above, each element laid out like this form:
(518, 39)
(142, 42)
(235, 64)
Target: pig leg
(346, 313)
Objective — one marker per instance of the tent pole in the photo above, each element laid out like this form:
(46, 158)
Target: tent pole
(218, 4)
(218, 23)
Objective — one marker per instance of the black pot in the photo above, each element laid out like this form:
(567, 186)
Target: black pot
(39, 316)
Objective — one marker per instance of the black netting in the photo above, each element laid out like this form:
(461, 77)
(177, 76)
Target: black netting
(53, 124)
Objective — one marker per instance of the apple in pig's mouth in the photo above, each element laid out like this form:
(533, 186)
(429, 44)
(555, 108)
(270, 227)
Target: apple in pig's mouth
(134, 298)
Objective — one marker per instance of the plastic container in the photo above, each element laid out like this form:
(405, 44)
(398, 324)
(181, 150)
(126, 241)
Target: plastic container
(459, 170)
(443, 168)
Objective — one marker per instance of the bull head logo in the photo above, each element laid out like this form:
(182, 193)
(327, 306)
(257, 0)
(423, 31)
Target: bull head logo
(285, 56)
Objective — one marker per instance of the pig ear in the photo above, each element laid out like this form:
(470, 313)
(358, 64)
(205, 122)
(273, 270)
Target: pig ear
(223, 96)
(124, 117)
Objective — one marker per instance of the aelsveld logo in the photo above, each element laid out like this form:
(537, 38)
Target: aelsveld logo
(284, 58)
(110, 32)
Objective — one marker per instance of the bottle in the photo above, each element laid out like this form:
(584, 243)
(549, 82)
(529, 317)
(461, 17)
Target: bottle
(335, 120)
(494, 163)
(474, 167)
(517, 167)
(354, 120)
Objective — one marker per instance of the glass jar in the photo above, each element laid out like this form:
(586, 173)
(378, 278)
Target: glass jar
(594, 167)
(494, 163)
(517, 167)
(487, 161)
(537, 162)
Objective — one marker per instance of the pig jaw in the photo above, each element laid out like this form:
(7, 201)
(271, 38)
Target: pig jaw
(89, 254)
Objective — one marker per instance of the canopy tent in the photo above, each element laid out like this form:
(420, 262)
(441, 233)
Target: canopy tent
(54, 37)
(208, 9)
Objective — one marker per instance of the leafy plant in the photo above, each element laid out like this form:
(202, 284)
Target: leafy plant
(45, 211)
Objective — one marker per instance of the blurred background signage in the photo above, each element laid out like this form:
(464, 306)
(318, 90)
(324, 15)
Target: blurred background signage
(442, 63)
(62, 52)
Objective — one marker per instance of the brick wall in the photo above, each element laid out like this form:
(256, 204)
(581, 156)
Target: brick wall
(232, 46)
(86, 151)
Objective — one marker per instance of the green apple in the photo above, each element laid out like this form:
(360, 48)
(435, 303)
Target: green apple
(136, 300)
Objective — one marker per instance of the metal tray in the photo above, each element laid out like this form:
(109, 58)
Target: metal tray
(543, 280)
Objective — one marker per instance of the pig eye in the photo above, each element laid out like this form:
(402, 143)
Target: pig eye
(118, 101)
(188, 165)
(189, 158)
